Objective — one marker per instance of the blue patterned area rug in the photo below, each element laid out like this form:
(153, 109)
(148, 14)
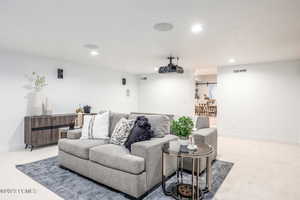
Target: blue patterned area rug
(72, 186)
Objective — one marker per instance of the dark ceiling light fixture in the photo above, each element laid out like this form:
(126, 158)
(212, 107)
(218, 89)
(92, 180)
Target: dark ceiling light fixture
(171, 67)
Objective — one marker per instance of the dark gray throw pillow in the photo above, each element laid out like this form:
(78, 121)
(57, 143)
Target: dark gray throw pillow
(160, 124)
(141, 131)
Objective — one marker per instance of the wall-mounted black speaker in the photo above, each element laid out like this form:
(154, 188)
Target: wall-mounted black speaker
(60, 73)
(123, 81)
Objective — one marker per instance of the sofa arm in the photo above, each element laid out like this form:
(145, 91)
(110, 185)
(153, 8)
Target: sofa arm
(74, 134)
(151, 151)
(208, 136)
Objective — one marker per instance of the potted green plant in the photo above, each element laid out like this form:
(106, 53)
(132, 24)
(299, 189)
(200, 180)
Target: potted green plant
(182, 127)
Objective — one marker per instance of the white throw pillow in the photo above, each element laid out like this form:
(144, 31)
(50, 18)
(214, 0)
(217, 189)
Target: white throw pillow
(86, 126)
(101, 126)
(95, 126)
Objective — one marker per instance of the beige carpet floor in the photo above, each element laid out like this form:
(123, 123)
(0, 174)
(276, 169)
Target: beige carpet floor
(262, 171)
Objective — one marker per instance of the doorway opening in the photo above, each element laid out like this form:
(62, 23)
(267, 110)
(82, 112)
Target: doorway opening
(206, 97)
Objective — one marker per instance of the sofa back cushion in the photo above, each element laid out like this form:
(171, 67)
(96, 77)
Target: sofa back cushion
(160, 124)
(114, 119)
(171, 117)
(201, 122)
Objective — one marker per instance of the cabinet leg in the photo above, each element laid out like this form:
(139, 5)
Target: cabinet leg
(31, 148)
(26, 146)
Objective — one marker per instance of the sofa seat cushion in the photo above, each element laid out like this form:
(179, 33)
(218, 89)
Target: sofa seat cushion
(117, 157)
(79, 148)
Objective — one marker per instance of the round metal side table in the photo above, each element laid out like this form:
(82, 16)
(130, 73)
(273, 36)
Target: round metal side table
(179, 189)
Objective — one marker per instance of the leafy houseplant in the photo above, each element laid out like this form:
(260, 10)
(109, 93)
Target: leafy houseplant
(182, 127)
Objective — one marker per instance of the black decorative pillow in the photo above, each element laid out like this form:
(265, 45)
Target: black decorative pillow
(141, 131)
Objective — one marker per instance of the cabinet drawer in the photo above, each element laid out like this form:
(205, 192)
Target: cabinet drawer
(54, 135)
(71, 118)
(63, 120)
(59, 121)
(41, 137)
(39, 122)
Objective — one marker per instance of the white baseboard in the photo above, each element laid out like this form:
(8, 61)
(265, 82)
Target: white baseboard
(14, 147)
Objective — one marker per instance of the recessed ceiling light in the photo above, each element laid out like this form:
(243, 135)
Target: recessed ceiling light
(231, 60)
(91, 46)
(197, 28)
(163, 26)
(156, 69)
(94, 53)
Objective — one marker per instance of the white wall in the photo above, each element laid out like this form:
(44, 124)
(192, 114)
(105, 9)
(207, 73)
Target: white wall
(263, 103)
(167, 93)
(101, 88)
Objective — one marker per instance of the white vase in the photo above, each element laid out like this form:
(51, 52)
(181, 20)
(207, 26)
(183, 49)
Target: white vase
(37, 102)
(47, 107)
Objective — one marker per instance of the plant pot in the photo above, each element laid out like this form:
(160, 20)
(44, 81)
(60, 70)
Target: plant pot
(183, 141)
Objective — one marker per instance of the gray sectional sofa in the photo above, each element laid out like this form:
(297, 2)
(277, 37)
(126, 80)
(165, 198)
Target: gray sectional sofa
(133, 173)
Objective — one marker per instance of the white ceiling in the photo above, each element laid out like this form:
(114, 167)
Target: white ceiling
(248, 30)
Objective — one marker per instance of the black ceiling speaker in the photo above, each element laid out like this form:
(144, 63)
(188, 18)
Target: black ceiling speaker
(123, 81)
(60, 73)
(171, 67)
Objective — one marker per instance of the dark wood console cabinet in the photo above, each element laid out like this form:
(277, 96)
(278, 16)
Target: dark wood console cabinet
(43, 130)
